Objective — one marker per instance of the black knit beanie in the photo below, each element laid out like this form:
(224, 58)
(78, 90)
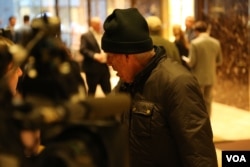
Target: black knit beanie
(126, 31)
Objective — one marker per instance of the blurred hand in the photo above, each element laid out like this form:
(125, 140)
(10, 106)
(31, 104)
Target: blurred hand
(186, 59)
(100, 57)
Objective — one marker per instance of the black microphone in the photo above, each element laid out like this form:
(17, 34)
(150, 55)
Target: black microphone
(43, 111)
(110, 105)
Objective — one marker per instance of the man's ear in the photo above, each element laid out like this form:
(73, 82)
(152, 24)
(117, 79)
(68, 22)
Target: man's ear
(10, 65)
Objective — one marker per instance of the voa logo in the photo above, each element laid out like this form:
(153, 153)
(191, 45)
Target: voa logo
(236, 158)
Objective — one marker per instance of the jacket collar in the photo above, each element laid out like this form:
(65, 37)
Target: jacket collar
(142, 77)
(159, 54)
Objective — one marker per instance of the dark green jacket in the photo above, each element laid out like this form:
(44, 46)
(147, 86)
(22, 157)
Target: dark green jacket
(168, 122)
(170, 47)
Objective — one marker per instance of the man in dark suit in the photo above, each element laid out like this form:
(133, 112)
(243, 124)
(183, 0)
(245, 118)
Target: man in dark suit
(94, 62)
(10, 29)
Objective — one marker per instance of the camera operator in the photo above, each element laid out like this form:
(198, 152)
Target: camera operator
(76, 130)
(15, 141)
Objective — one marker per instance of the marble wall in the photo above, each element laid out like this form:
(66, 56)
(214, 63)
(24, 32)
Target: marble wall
(230, 23)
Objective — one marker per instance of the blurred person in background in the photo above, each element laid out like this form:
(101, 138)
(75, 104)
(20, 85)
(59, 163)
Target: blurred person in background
(155, 29)
(189, 30)
(24, 30)
(94, 61)
(11, 28)
(181, 43)
(205, 55)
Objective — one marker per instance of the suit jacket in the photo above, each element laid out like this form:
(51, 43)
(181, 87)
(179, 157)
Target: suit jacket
(88, 48)
(205, 54)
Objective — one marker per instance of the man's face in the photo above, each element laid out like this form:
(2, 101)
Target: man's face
(123, 65)
(13, 22)
(96, 25)
(13, 74)
(189, 22)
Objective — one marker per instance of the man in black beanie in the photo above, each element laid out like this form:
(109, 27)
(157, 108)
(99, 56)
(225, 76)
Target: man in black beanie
(168, 122)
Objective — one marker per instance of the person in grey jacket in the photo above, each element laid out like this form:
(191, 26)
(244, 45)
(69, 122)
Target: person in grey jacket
(204, 56)
(168, 124)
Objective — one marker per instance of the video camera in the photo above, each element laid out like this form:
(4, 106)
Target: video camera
(76, 130)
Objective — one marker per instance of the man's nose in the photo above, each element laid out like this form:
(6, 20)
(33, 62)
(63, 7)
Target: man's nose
(19, 71)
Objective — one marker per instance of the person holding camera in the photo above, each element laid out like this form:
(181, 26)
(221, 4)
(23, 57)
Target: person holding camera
(168, 123)
(21, 142)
